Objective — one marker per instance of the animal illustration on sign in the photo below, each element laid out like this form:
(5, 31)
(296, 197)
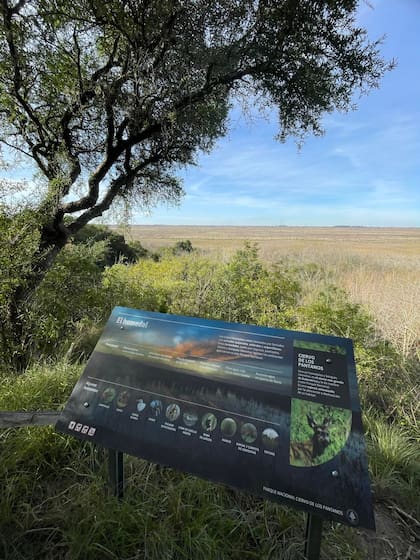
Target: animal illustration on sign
(306, 451)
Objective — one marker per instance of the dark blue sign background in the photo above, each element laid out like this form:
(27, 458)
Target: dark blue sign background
(269, 411)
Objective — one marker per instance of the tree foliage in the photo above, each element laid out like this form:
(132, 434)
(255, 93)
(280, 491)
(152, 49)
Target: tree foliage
(107, 98)
(116, 248)
(18, 244)
(110, 96)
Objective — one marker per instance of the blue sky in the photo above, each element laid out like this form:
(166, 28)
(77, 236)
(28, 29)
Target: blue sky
(364, 171)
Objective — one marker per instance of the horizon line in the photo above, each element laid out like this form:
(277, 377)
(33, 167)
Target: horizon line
(263, 226)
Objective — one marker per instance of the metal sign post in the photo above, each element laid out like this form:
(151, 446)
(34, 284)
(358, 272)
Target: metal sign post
(313, 537)
(116, 472)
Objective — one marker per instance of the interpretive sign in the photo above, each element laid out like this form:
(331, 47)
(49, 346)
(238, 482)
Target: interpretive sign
(269, 411)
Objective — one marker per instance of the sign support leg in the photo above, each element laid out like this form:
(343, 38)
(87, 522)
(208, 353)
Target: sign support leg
(313, 536)
(116, 472)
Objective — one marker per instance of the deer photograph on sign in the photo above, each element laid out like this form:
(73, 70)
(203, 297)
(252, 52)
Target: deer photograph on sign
(312, 442)
(272, 412)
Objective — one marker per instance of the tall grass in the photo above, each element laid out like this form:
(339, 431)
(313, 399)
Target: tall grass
(53, 499)
(378, 267)
(392, 294)
(394, 460)
(54, 504)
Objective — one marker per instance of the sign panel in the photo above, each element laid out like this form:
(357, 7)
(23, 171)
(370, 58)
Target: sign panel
(269, 411)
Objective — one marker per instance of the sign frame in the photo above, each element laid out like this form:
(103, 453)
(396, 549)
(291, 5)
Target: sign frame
(260, 409)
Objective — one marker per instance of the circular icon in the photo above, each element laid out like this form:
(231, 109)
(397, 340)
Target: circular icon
(228, 427)
(172, 412)
(190, 418)
(156, 406)
(141, 405)
(209, 422)
(270, 438)
(108, 395)
(249, 433)
(123, 399)
(352, 517)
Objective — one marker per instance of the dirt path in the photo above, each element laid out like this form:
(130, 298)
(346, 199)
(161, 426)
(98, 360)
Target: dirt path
(397, 536)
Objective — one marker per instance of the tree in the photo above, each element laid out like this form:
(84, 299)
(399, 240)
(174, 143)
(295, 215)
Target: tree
(107, 98)
(116, 247)
(184, 246)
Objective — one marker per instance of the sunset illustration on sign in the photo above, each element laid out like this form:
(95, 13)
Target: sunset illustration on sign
(205, 355)
(198, 354)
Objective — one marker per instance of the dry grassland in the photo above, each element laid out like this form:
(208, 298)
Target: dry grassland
(378, 267)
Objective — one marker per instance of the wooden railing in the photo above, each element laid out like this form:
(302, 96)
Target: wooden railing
(21, 419)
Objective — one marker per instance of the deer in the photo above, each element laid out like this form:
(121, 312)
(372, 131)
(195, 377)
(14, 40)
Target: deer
(307, 451)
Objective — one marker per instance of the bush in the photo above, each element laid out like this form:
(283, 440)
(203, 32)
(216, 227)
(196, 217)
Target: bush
(241, 290)
(330, 312)
(183, 247)
(116, 249)
(19, 236)
(69, 294)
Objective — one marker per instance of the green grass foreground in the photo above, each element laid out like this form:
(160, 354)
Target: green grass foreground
(55, 503)
(54, 500)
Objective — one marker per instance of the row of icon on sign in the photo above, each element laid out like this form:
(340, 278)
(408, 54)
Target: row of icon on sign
(229, 427)
(82, 428)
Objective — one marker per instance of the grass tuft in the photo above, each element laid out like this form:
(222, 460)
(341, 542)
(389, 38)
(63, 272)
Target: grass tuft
(394, 460)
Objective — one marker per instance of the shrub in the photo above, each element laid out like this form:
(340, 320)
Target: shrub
(241, 290)
(116, 249)
(18, 244)
(330, 312)
(70, 293)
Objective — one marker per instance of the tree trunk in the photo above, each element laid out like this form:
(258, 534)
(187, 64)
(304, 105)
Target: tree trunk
(17, 336)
